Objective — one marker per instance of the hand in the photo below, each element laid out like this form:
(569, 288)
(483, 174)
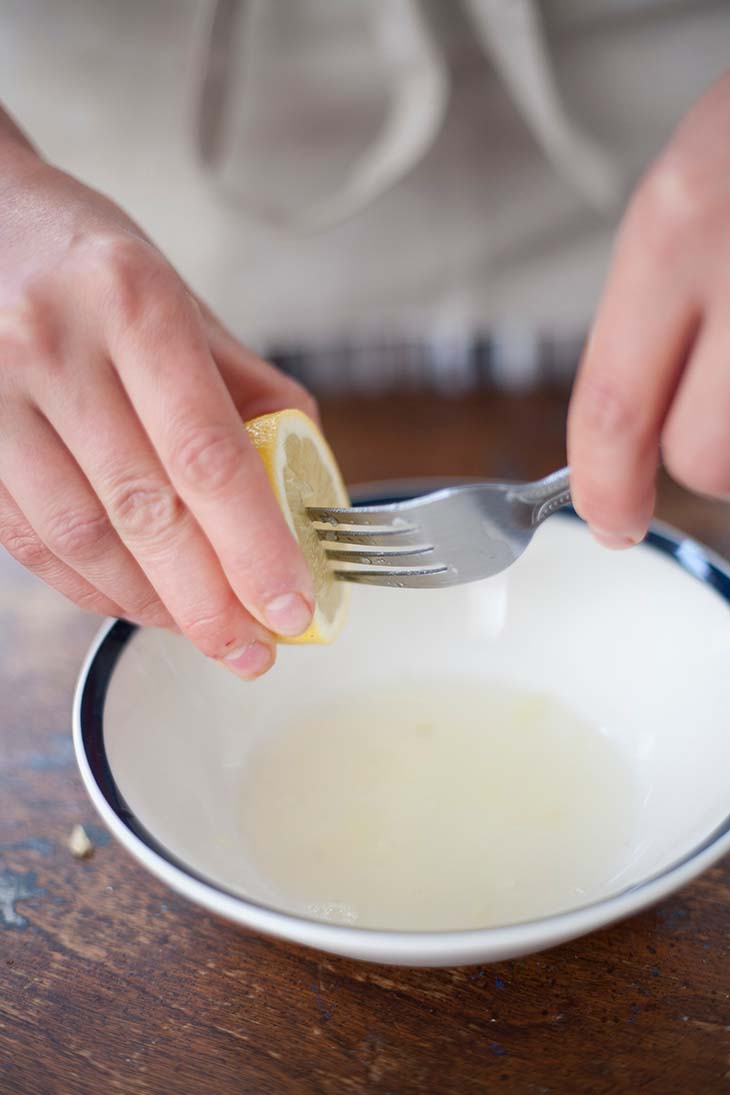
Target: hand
(127, 480)
(655, 380)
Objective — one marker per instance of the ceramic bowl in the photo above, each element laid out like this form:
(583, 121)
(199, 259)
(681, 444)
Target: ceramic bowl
(637, 644)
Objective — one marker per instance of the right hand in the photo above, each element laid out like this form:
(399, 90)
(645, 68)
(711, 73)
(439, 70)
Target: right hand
(127, 480)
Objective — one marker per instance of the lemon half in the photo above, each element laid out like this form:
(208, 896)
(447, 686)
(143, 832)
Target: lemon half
(303, 472)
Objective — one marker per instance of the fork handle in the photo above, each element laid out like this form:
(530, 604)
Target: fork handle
(547, 495)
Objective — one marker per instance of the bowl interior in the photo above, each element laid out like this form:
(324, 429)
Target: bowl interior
(482, 755)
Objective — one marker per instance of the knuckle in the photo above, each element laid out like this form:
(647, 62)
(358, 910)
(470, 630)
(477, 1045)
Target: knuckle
(132, 274)
(90, 600)
(602, 409)
(143, 510)
(207, 458)
(669, 206)
(17, 336)
(149, 610)
(120, 255)
(26, 337)
(25, 546)
(77, 533)
(211, 629)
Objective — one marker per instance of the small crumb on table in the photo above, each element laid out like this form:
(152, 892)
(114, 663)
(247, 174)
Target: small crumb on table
(79, 844)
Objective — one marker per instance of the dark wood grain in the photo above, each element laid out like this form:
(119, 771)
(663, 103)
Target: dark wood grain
(112, 983)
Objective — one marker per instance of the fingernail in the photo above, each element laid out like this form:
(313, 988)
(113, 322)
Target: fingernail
(250, 661)
(288, 614)
(613, 540)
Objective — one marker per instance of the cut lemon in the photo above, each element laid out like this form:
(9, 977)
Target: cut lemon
(303, 472)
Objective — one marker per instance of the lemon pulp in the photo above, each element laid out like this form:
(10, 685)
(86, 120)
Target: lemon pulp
(303, 472)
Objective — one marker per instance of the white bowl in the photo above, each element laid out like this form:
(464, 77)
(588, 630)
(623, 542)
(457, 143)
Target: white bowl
(636, 644)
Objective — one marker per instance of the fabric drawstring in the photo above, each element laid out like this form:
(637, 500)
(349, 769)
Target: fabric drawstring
(418, 104)
(510, 32)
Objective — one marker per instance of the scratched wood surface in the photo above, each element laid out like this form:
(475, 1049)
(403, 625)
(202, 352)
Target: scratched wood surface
(111, 983)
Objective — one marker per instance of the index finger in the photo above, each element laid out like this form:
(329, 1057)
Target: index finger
(163, 360)
(629, 373)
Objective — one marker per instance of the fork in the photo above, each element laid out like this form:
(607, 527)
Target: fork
(458, 534)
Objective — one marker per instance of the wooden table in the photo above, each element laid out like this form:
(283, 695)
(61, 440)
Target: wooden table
(110, 983)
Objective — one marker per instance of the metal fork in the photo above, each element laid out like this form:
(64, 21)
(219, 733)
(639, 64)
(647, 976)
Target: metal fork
(455, 535)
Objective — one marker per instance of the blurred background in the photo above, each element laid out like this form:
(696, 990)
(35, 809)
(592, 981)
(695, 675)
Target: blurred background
(408, 204)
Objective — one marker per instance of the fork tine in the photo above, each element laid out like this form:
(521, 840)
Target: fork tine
(374, 536)
(373, 554)
(403, 577)
(387, 518)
